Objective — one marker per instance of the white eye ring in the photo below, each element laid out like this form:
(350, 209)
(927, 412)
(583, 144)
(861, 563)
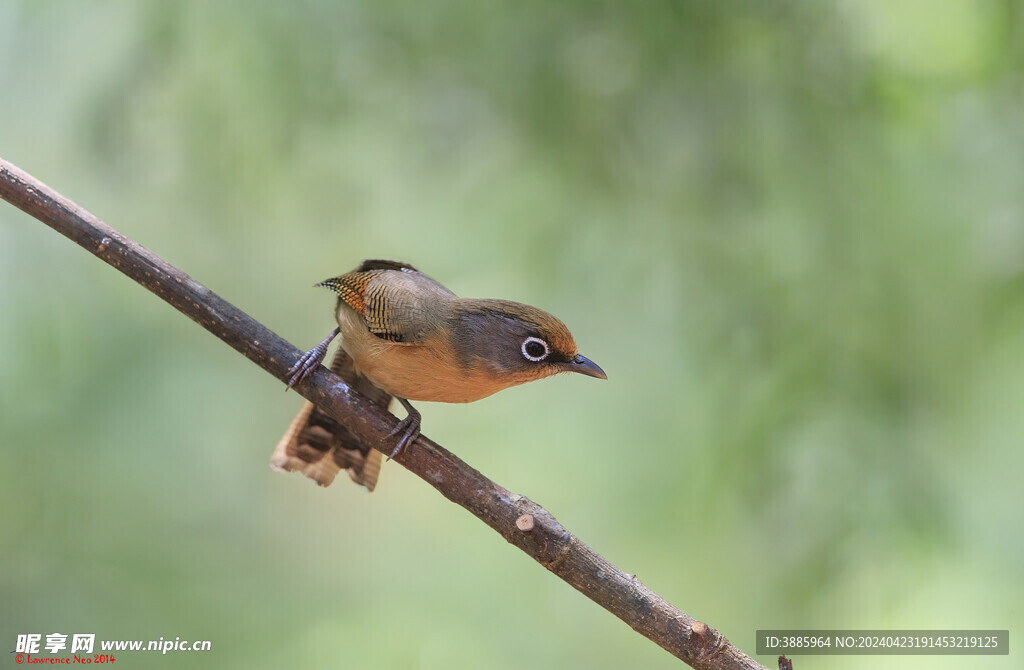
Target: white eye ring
(531, 340)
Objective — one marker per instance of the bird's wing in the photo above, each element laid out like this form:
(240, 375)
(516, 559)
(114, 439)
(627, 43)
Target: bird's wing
(397, 302)
(319, 447)
(380, 264)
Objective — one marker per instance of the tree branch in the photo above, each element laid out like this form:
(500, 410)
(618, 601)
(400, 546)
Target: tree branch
(516, 518)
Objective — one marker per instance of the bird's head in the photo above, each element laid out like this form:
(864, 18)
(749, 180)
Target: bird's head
(515, 343)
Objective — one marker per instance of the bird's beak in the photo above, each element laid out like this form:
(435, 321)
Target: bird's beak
(585, 366)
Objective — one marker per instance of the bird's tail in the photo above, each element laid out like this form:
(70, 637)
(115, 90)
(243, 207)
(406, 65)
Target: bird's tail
(319, 447)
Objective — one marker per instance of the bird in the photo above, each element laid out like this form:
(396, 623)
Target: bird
(405, 336)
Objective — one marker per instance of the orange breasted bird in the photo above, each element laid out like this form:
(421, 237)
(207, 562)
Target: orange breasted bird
(405, 336)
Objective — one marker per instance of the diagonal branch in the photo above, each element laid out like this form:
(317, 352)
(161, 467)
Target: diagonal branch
(516, 518)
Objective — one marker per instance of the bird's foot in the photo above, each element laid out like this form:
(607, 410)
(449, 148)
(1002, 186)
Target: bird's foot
(408, 428)
(309, 361)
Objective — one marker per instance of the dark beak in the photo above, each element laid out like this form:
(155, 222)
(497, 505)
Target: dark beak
(585, 366)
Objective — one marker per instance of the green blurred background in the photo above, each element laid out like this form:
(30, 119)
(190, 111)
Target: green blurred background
(791, 232)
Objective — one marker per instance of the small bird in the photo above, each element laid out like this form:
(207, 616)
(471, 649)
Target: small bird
(406, 336)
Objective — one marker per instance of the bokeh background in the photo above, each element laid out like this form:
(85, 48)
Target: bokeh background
(791, 232)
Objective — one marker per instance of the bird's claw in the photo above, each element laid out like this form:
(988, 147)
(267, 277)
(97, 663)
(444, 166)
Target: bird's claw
(409, 428)
(305, 366)
(309, 361)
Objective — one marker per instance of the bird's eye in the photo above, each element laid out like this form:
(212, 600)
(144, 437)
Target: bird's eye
(535, 349)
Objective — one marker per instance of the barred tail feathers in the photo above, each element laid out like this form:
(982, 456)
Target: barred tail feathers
(319, 447)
